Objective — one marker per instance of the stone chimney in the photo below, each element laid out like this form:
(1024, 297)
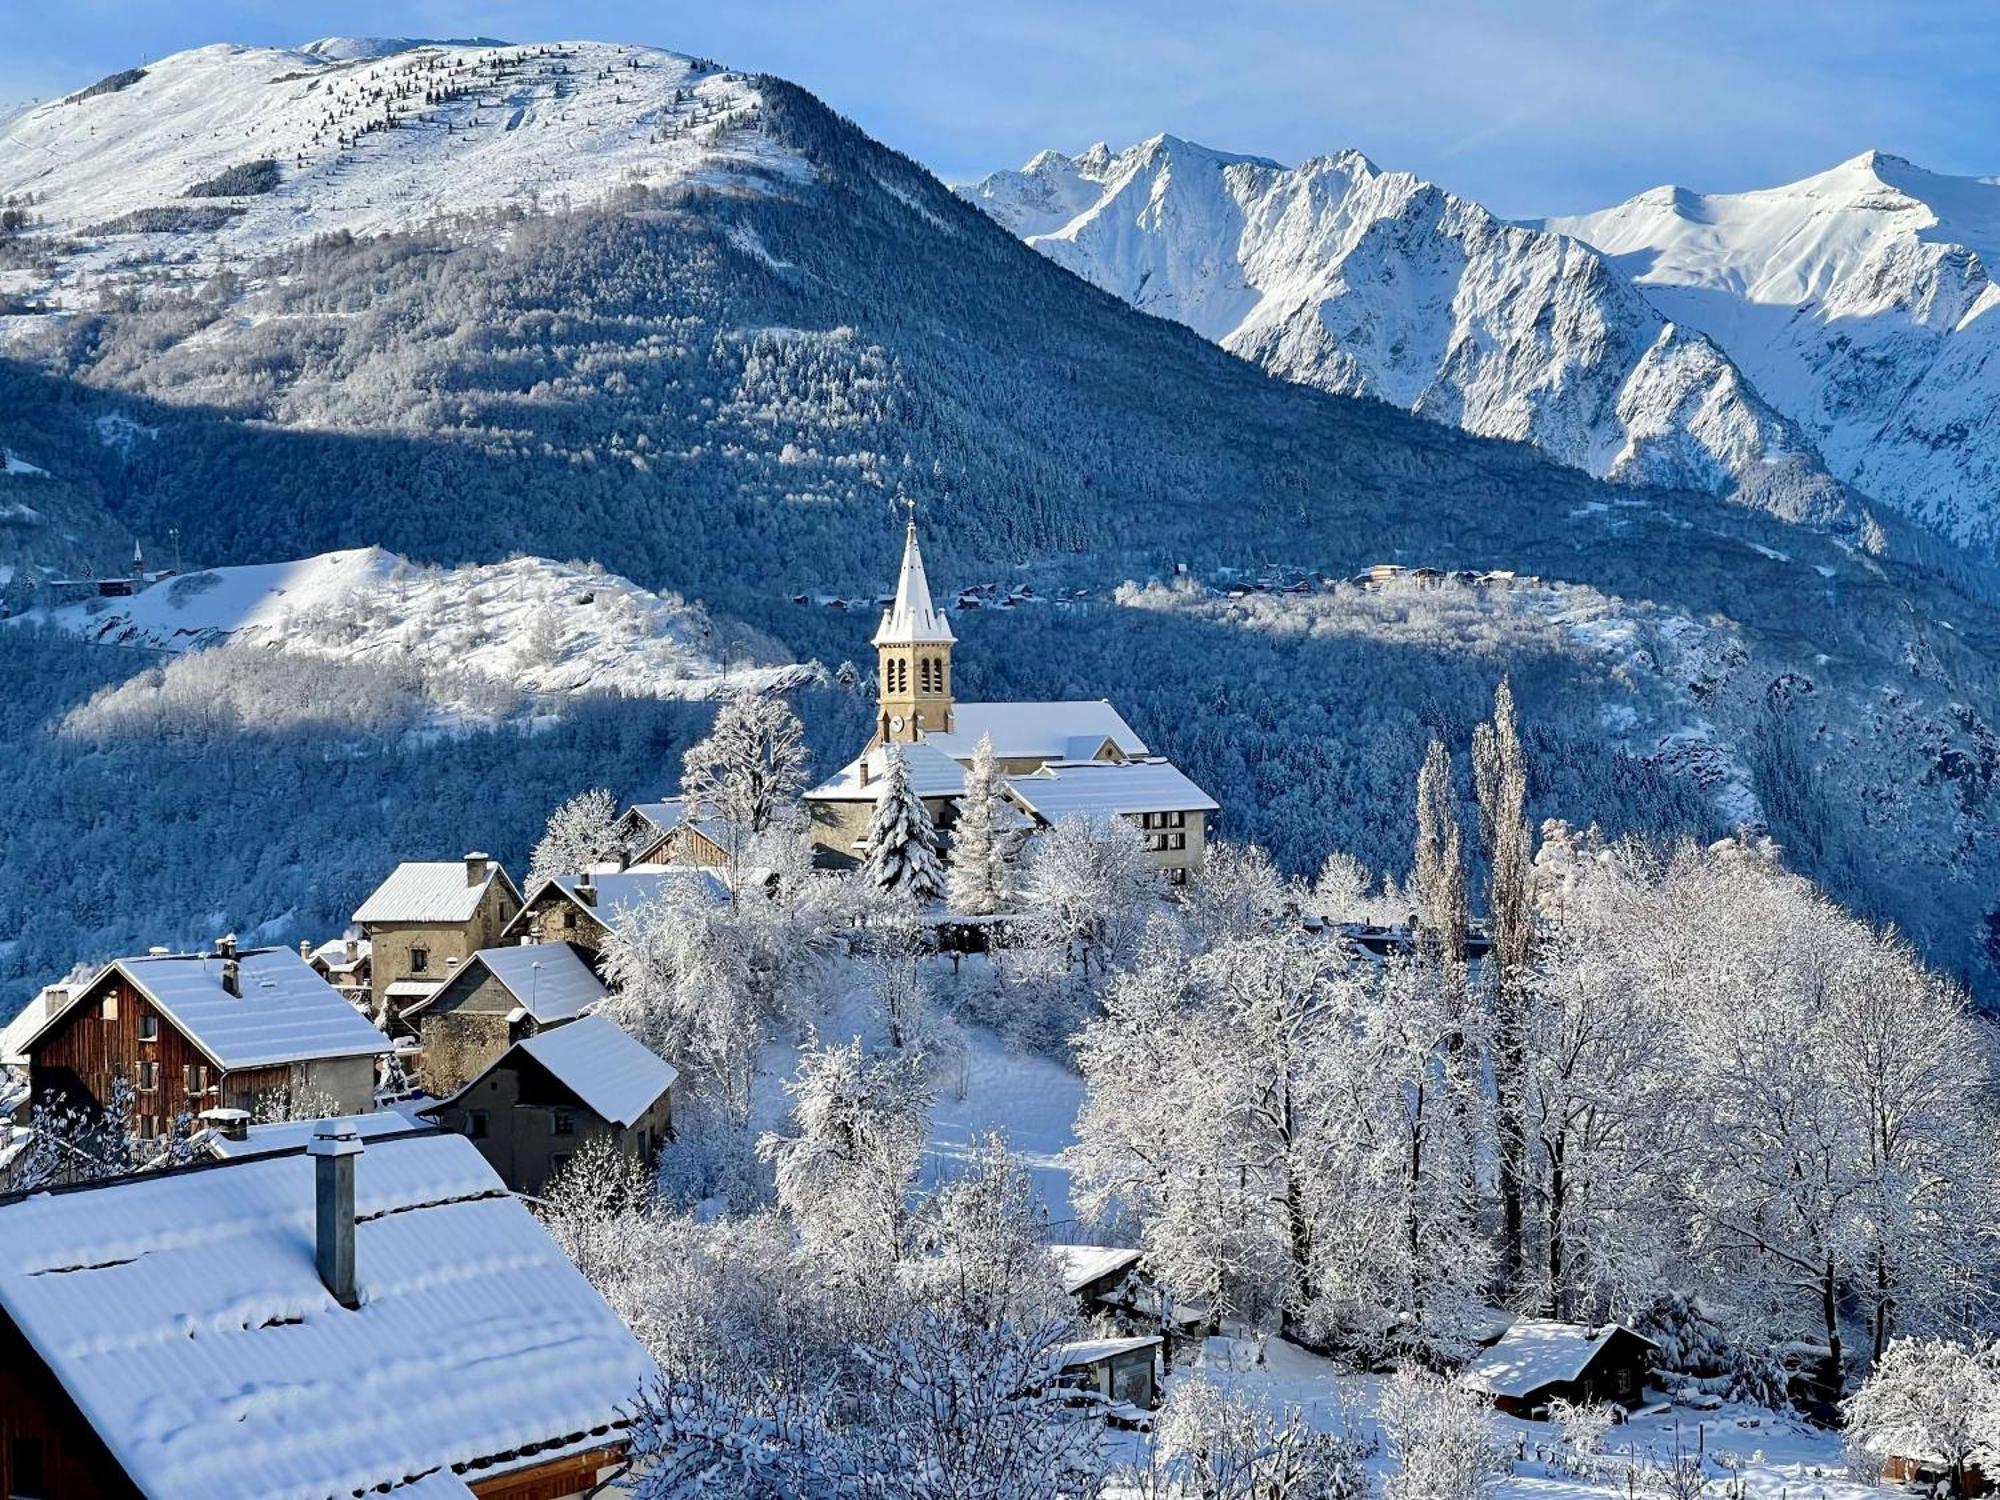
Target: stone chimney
(333, 1149)
(232, 971)
(353, 950)
(586, 889)
(225, 946)
(306, 949)
(475, 867)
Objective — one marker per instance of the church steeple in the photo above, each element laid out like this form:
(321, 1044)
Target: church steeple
(913, 649)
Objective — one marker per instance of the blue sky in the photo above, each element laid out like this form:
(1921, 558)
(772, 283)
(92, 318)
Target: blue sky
(1532, 107)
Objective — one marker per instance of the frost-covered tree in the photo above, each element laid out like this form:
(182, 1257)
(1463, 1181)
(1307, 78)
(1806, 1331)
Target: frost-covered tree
(843, 1175)
(578, 834)
(746, 775)
(900, 848)
(1437, 881)
(1236, 891)
(1219, 1445)
(1931, 1398)
(983, 839)
(1443, 1436)
(1088, 889)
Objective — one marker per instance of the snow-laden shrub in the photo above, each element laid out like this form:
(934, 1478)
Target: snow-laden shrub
(1444, 1438)
(1220, 1445)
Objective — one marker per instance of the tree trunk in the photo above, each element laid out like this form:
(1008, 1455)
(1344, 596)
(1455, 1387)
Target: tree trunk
(1509, 1127)
(1829, 1305)
(1557, 1300)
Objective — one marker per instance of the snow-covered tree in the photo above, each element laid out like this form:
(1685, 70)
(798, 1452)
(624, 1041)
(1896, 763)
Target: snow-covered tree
(1930, 1398)
(1088, 890)
(1443, 1436)
(1437, 881)
(578, 834)
(746, 775)
(1219, 1445)
(983, 839)
(844, 1174)
(900, 849)
(1236, 892)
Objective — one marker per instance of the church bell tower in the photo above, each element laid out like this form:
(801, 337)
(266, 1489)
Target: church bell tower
(913, 657)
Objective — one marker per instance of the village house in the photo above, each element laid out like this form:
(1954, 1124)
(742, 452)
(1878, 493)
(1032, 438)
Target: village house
(553, 1092)
(189, 1032)
(662, 833)
(1096, 1275)
(586, 907)
(162, 1335)
(497, 997)
(429, 917)
(1060, 759)
(1538, 1360)
(344, 964)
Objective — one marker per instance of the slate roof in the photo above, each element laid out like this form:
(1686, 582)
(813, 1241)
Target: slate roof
(286, 1012)
(182, 1312)
(1105, 789)
(430, 891)
(1037, 731)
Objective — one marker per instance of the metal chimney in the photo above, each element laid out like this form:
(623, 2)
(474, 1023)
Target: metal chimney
(333, 1149)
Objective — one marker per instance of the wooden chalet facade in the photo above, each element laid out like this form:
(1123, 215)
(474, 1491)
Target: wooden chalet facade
(662, 833)
(1537, 1361)
(191, 1032)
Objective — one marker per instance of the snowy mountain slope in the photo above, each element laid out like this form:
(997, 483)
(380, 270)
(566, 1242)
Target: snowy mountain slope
(1861, 302)
(542, 629)
(365, 135)
(1360, 281)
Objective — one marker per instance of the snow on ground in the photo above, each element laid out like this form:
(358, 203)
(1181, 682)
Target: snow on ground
(547, 628)
(12, 463)
(475, 128)
(1774, 1455)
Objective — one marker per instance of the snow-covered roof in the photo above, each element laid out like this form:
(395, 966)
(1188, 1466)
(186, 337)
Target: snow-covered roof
(932, 774)
(912, 619)
(620, 892)
(551, 980)
(1080, 1265)
(292, 1135)
(1090, 1351)
(14, 1035)
(1538, 1352)
(333, 953)
(431, 891)
(183, 1313)
(412, 989)
(617, 1077)
(285, 1013)
(1108, 789)
(1037, 731)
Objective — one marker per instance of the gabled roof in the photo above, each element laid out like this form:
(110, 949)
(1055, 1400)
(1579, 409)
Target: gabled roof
(1037, 731)
(619, 1078)
(286, 1013)
(292, 1135)
(1090, 1351)
(620, 892)
(431, 891)
(912, 619)
(182, 1312)
(1080, 1265)
(333, 953)
(1107, 789)
(662, 818)
(932, 774)
(1539, 1352)
(550, 981)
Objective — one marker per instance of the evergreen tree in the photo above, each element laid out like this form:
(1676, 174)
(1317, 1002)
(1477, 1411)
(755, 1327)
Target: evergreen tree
(902, 840)
(983, 842)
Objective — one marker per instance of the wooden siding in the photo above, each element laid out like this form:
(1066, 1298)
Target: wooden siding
(38, 1418)
(558, 1479)
(86, 1052)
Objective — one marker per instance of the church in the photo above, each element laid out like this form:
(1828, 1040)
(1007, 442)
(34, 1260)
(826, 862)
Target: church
(1059, 759)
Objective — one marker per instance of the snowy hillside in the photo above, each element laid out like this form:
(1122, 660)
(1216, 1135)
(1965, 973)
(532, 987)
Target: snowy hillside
(230, 151)
(540, 629)
(1360, 281)
(1860, 301)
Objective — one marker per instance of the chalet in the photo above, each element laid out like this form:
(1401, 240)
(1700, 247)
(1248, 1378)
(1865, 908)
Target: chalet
(1538, 1360)
(1093, 1274)
(196, 1031)
(1122, 1371)
(343, 963)
(549, 1094)
(429, 917)
(496, 997)
(585, 908)
(1116, 775)
(662, 833)
(348, 1317)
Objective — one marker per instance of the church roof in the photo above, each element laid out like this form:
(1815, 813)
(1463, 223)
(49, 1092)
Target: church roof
(932, 774)
(1107, 789)
(912, 619)
(1038, 731)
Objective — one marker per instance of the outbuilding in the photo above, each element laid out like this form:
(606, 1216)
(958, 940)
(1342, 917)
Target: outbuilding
(1538, 1360)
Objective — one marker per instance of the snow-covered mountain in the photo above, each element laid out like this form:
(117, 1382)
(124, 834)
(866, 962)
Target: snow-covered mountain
(1359, 281)
(1861, 303)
